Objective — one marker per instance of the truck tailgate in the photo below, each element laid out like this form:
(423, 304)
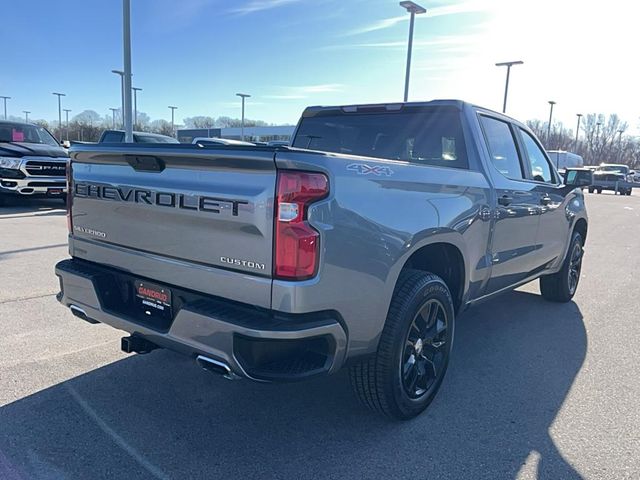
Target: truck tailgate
(177, 207)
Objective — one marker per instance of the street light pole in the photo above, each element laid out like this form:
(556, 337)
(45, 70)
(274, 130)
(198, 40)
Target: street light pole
(414, 9)
(5, 105)
(126, 30)
(506, 86)
(620, 145)
(579, 115)
(66, 111)
(121, 74)
(597, 136)
(113, 114)
(552, 103)
(26, 116)
(173, 109)
(135, 105)
(243, 96)
(59, 110)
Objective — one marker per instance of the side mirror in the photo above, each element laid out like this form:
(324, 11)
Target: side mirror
(65, 144)
(578, 178)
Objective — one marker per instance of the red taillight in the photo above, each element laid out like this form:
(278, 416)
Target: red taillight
(69, 198)
(297, 243)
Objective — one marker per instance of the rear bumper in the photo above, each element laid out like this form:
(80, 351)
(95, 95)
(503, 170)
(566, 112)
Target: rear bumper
(255, 343)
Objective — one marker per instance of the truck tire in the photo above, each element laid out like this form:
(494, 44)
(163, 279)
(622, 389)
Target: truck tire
(562, 286)
(590, 189)
(406, 372)
(599, 190)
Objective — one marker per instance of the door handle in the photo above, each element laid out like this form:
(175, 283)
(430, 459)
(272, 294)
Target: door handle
(505, 200)
(546, 200)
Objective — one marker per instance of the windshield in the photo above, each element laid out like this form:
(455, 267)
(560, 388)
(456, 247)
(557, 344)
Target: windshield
(23, 133)
(614, 168)
(432, 137)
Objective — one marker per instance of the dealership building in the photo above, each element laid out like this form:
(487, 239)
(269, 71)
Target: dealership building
(256, 134)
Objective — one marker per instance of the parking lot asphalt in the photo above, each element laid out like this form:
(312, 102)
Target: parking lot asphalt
(534, 389)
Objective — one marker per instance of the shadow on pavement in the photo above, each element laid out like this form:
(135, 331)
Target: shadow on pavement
(159, 416)
(37, 206)
(33, 249)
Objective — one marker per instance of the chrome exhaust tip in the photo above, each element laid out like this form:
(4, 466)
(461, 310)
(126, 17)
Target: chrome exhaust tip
(81, 314)
(216, 366)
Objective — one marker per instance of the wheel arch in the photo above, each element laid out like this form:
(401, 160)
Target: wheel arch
(581, 227)
(445, 259)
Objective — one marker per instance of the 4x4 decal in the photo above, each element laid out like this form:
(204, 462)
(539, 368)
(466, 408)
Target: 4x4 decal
(364, 169)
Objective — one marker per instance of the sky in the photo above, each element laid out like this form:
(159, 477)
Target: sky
(289, 54)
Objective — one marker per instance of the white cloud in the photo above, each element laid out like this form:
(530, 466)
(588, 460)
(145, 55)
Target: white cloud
(444, 40)
(239, 103)
(455, 9)
(260, 5)
(324, 88)
(305, 91)
(286, 97)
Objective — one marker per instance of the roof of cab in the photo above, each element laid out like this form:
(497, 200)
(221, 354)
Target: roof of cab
(396, 106)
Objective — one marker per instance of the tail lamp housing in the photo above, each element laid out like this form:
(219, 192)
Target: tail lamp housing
(297, 244)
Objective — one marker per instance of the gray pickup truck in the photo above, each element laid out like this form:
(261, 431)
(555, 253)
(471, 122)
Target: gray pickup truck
(357, 246)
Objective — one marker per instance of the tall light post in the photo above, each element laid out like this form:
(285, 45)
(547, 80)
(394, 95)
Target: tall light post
(135, 105)
(66, 111)
(243, 96)
(414, 9)
(173, 109)
(5, 104)
(506, 86)
(26, 116)
(597, 136)
(126, 44)
(113, 115)
(620, 132)
(59, 110)
(552, 103)
(121, 74)
(579, 115)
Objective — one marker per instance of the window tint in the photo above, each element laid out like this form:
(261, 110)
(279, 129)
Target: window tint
(113, 137)
(502, 147)
(427, 136)
(540, 168)
(25, 133)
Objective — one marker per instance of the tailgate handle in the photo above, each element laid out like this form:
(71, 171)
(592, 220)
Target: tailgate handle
(145, 163)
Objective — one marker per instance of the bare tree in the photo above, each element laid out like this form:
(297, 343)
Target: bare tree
(199, 122)
(161, 126)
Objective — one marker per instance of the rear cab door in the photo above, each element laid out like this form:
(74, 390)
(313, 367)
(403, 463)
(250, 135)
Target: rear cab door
(513, 248)
(554, 226)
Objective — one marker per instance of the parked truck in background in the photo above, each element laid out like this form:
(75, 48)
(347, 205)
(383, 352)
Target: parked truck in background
(614, 177)
(358, 246)
(32, 162)
(117, 136)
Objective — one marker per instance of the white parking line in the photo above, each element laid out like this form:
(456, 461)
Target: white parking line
(117, 439)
